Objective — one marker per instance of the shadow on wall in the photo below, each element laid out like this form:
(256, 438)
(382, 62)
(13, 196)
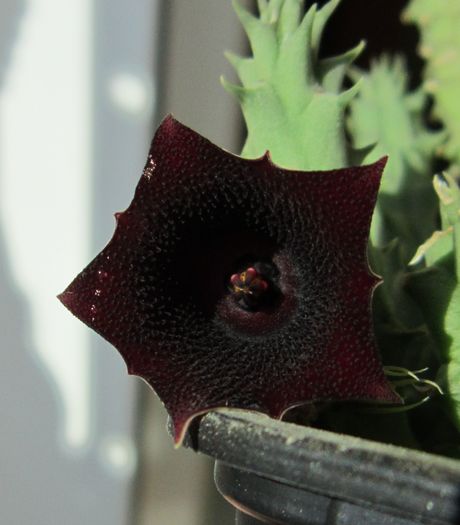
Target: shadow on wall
(32, 466)
(11, 15)
(39, 484)
(28, 408)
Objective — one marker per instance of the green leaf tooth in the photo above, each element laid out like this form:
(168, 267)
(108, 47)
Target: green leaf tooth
(320, 22)
(332, 79)
(307, 23)
(447, 189)
(333, 70)
(273, 12)
(438, 246)
(294, 67)
(299, 45)
(234, 59)
(289, 18)
(237, 91)
(247, 19)
(415, 159)
(449, 199)
(416, 100)
(347, 96)
(430, 140)
(398, 63)
(261, 37)
(244, 67)
(345, 58)
(262, 5)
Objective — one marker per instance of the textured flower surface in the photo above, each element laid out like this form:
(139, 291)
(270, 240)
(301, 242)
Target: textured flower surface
(235, 283)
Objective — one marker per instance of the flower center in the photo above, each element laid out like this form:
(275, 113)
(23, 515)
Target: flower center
(249, 288)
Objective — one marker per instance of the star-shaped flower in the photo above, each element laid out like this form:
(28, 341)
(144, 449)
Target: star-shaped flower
(236, 283)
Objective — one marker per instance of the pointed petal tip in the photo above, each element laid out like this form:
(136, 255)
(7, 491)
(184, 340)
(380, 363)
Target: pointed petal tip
(170, 126)
(67, 299)
(63, 297)
(168, 123)
(179, 435)
(378, 167)
(60, 297)
(169, 118)
(181, 426)
(381, 165)
(172, 132)
(267, 156)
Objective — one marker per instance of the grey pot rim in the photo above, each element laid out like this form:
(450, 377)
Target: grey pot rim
(386, 478)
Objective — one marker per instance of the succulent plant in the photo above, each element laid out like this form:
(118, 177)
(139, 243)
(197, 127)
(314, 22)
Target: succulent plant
(293, 101)
(384, 119)
(388, 120)
(244, 281)
(436, 289)
(438, 23)
(435, 284)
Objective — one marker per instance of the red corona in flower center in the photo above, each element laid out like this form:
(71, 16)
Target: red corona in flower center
(248, 287)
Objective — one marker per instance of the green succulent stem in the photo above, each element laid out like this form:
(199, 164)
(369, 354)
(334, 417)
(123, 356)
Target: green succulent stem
(438, 23)
(388, 119)
(436, 288)
(292, 100)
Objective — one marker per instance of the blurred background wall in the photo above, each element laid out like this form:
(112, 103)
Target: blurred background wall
(83, 84)
(176, 486)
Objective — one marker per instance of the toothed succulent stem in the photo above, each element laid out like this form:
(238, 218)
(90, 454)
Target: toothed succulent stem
(436, 288)
(440, 47)
(292, 101)
(387, 119)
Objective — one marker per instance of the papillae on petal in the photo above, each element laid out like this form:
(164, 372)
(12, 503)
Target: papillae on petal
(167, 290)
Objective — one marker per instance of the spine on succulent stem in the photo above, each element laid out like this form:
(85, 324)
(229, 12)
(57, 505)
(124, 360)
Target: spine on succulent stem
(292, 100)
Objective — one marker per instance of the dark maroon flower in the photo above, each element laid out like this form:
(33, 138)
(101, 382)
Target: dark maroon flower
(233, 282)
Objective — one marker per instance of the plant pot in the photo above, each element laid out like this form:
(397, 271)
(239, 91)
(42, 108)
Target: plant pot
(276, 472)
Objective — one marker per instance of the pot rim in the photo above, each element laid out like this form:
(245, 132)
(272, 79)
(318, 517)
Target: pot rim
(388, 478)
